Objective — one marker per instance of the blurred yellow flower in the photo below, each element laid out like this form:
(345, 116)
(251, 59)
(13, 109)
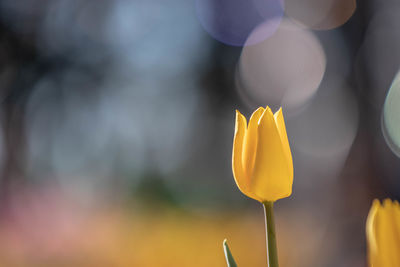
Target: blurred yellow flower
(383, 234)
(261, 158)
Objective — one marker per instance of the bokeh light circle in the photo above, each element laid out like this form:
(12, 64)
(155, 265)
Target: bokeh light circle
(391, 118)
(328, 126)
(283, 70)
(378, 58)
(232, 21)
(320, 14)
(323, 133)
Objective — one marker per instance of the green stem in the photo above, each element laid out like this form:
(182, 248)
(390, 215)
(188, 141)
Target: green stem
(272, 251)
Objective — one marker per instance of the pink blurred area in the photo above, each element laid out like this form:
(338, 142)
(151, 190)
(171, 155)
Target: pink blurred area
(47, 227)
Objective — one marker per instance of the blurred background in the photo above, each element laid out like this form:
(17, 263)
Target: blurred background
(117, 120)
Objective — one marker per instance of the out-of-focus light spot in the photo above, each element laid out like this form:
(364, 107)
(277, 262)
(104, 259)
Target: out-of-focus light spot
(391, 118)
(285, 69)
(379, 56)
(326, 128)
(91, 133)
(231, 21)
(164, 127)
(144, 25)
(320, 14)
(386, 159)
(321, 137)
(69, 133)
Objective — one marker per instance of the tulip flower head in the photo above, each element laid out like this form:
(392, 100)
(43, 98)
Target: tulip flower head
(261, 158)
(383, 234)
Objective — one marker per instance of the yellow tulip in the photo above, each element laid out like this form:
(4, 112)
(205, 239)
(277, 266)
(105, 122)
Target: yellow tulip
(261, 158)
(383, 234)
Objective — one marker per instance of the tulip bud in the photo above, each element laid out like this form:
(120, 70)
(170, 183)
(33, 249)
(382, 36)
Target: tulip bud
(261, 158)
(383, 234)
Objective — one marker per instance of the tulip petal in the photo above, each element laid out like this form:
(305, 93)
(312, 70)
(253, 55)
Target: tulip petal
(383, 236)
(237, 167)
(396, 219)
(383, 233)
(280, 123)
(371, 228)
(396, 226)
(389, 234)
(271, 178)
(250, 143)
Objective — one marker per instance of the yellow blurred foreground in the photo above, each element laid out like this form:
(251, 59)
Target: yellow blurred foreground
(119, 238)
(46, 229)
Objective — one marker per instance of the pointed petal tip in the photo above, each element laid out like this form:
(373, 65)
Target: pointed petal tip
(387, 202)
(376, 202)
(240, 115)
(266, 114)
(376, 205)
(257, 114)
